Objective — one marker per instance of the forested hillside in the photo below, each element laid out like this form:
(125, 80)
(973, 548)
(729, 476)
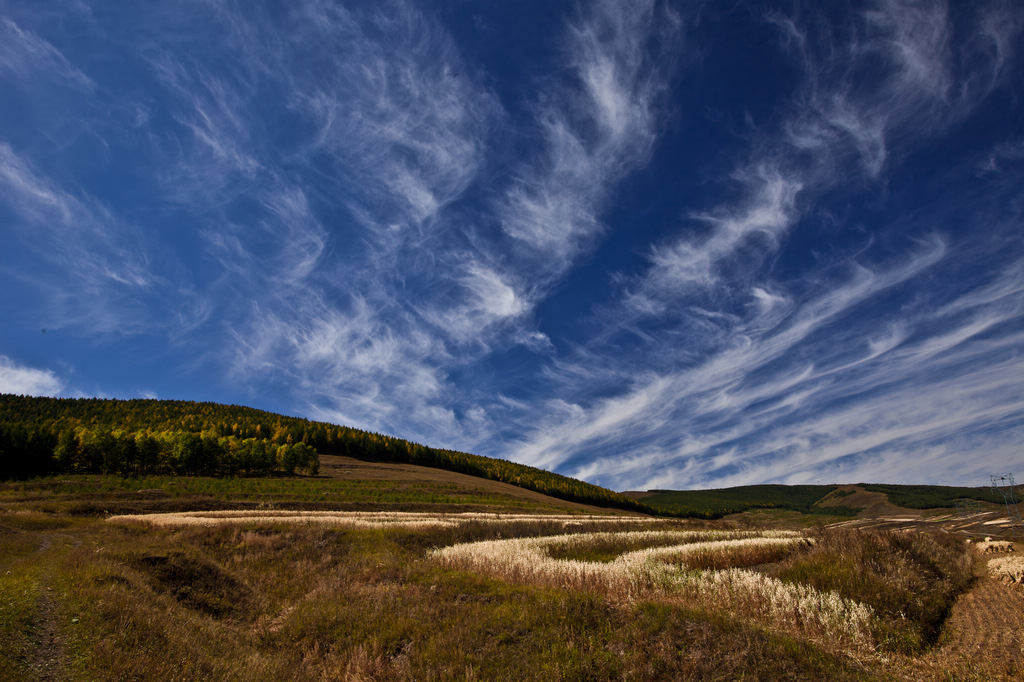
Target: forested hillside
(932, 496)
(40, 436)
(716, 503)
(806, 499)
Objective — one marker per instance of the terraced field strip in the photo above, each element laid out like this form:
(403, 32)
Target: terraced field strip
(661, 572)
(355, 519)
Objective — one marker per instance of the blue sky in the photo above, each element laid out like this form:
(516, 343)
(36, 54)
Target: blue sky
(647, 244)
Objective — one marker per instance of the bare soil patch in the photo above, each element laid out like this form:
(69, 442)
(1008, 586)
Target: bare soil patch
(49, 655)
(871, 504)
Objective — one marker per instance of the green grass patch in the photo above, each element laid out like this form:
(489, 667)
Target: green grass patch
(19, 609)
(607, 548)
(104, 495)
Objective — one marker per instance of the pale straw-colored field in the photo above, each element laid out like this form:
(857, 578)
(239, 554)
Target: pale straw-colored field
(994, 546)
(1009, 569)
(358, 519)
(662, 572)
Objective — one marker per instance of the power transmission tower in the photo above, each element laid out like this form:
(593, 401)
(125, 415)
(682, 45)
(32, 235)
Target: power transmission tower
(1005, 485)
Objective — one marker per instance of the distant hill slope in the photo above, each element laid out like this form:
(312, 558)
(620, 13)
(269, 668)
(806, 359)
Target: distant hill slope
(40, 436)
(461, 487)
(933, 496)
(716, 503)
(834, 500)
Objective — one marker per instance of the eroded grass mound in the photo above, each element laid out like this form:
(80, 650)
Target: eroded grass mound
(193, 581)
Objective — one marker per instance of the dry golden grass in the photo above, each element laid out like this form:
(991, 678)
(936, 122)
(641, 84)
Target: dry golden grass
(1008, 569)
(270, 597)
(994, 546)
(661, 571)
(375, 519)
(314, 603)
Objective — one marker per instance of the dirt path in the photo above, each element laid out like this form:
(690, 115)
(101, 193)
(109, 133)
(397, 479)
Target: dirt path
(48, 656)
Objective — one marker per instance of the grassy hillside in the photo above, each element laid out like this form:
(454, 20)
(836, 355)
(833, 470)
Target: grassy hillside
(714, 504)
(40, 436)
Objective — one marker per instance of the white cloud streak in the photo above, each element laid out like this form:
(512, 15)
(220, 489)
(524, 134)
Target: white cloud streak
(395, 106)
(26, 57)
(756, 227)
(81, 239)
(398, 124)
(896, 76)
(602, 128)
(19, 379)
(720, 388)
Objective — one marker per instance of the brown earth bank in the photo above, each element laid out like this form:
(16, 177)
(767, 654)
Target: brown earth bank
(348, 468)
(984, 635)
(638, 494)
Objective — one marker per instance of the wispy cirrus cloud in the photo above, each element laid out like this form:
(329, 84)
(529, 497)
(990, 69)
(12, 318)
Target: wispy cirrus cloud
(72, 233)
(603, 126)
(394, 105)
(691, 246)
(898, 74)
(395, 124)
(213, 155)
(788, 379)
(737, 236)
(350, 361)
(794, 405)
(414, 125)
(24, 56)
(30, 195)
(301, 161)
(903, 71)
(869, 437)
(751, 366)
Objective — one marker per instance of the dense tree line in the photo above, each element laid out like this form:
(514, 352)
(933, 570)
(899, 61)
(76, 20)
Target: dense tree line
(40, 436)
(27, 452)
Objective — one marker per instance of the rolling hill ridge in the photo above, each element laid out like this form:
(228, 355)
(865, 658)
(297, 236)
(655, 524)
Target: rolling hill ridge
(40, 436)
